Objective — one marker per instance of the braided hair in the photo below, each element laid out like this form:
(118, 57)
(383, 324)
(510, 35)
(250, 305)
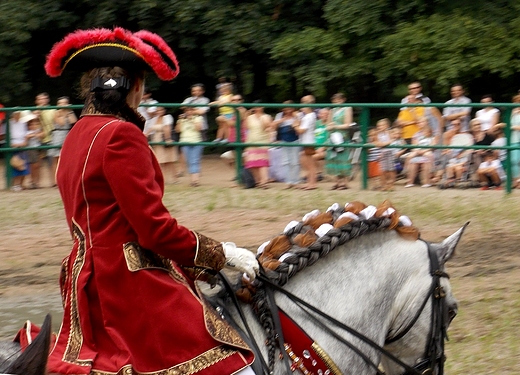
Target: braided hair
(110, 101)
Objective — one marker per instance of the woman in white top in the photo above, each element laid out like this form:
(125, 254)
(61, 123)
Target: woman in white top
(160, 129)
(488, 116)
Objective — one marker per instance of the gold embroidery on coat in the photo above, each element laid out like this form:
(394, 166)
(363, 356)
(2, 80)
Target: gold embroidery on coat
(192, 366)
(75, 340)
(64, 274)
(209, 253)
(138, 258)
(219, 329)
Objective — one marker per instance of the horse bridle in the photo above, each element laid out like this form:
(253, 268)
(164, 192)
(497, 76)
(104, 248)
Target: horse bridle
(434, 352)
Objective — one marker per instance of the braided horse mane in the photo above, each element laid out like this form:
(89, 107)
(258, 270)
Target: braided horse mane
(303, 243)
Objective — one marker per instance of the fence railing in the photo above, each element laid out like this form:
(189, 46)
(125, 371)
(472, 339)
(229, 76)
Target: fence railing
(364, 123)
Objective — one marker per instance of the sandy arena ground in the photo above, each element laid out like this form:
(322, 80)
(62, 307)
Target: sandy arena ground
(31, 251)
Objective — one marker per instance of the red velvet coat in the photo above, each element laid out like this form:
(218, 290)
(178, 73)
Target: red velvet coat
(128, 310)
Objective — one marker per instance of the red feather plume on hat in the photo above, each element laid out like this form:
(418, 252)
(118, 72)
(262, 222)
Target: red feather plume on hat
(144, 47)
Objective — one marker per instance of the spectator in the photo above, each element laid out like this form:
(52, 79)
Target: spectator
(435, 120)
(321, 136)
(490, 171)
(398, 153)
(147, 112)
(305, 129)
(64, 119)
(499, 141)
(457, 113)
(488, 116)
(341, 118)
(515, 141)
(338, 158)
(46, 116)
(258, 125)
(415, 89)
(421, 157)
(232, 122)
(197, 97)
(160, 129)
(47, 123)
(18, 130)
(34, 138)
(222, 81)
(285, 122)
(229, 156)
(189, 126)
(225, 113)
(455, 160)
(374, 154)
(386, 158)
(408, 118)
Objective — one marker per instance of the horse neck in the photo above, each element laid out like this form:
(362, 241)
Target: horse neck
(364, 284)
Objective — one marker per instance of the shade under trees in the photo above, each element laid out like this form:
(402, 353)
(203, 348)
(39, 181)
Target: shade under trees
(281, 49)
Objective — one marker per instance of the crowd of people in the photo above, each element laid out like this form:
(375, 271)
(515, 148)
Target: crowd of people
(302, 164)
(38, 128)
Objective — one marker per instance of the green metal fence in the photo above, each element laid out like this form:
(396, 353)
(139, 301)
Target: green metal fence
(364, 122)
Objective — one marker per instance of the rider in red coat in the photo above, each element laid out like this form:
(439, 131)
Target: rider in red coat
(131, 305)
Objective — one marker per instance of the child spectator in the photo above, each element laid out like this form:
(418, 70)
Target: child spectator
(386, 158)
(397, 153)
(374, 154)
(34, 138)
(421, 157)
(490, 171)
(225, 113)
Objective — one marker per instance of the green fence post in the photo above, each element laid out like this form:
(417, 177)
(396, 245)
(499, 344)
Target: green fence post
(365, 123)
(238, 149)
(8, 174)
(509, 178)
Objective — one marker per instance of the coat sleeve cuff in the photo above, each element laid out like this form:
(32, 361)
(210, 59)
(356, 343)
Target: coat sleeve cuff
(209, 253)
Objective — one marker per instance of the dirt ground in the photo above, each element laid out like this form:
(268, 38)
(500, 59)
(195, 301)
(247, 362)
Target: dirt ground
(486, 266)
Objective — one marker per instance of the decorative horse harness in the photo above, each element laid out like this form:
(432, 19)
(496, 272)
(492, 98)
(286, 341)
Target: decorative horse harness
(434, 352)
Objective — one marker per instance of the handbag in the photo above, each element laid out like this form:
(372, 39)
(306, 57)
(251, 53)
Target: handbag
(17, 163)
(336, 138)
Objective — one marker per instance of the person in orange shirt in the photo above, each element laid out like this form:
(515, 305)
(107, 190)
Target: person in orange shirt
(408, 118)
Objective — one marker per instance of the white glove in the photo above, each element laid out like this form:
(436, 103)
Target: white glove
(240, 259)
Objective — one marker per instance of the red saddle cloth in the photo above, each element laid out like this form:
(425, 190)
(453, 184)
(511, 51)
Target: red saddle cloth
(307, 356)
(28, 333)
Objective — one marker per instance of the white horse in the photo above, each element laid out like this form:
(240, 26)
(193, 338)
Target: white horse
(377, 283)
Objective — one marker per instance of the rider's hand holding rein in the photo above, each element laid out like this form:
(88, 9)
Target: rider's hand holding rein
(240, 259)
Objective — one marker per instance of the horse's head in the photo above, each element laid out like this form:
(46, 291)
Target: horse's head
(426, 327)
(445, 251)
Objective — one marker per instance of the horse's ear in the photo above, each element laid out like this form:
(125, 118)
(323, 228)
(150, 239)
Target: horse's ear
(446, 249)
(33, 360)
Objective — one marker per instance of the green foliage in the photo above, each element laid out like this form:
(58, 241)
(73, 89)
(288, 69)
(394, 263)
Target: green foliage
(278, 49)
